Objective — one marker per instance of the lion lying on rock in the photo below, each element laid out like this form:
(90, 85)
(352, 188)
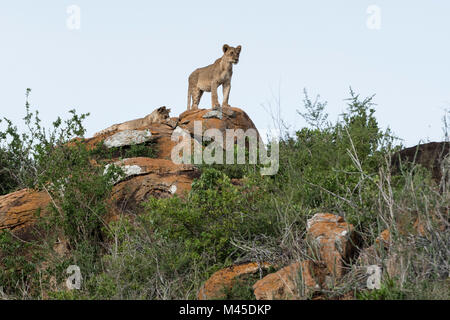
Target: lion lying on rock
(160, 115)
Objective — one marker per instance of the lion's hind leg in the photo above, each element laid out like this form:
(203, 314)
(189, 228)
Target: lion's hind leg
(196, 96)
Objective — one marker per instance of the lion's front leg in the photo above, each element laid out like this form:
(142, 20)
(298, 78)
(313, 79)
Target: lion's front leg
(214, 98)
(226, 93)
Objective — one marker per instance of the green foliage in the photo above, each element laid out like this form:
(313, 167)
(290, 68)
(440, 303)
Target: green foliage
(54, 161)
(79, 189)
(315, 114)
(387, 291)
(205, 222)
(7, 182)
(26, 156)
(236, 170)
(242, 287)
(327, 161)
(168, 251)
(430, 289)
(66, 295)
(173, 247)
(147, 149)
(16, 267)
(141, 264)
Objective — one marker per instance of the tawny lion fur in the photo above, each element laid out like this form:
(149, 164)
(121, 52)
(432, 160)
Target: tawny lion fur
(159, 115)
(209, 78)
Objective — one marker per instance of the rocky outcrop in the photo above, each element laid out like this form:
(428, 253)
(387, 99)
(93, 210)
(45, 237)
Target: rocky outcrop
(221, 281)
(127, 138)
(333, 239)
(19, 210)
(299, 279)
(159, 178)
(332, 242)
(433, 155)
(144, 177)
(161, 132)
(227, 118)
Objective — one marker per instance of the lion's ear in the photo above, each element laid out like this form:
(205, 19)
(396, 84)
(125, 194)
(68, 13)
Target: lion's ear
(238, 48)
(225, 48)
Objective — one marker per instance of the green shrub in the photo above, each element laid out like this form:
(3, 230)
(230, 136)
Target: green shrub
(17, 264)
(206, 221)
(235, 170)
(140, 264)
(326, 162)
(387, 291)
(147, 149)
(7, 182)
(54, 161)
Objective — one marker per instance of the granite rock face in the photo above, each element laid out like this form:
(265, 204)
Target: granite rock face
(19, 210)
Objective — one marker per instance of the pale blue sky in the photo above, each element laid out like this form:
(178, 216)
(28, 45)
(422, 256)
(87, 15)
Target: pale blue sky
(130, 57)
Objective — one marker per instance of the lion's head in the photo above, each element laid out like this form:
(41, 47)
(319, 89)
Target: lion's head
(231, 54)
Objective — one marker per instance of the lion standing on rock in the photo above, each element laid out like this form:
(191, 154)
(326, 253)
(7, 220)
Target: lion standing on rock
(211, 77)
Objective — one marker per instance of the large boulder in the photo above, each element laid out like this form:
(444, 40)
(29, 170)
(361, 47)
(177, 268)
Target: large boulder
(333, 239)
(332, 242)
(162, 132)
(150, 177)
(433, 155)
(298, 280)
(221, 281)
(19, 211)
(226, 118)
(145, 177)
(127, 138)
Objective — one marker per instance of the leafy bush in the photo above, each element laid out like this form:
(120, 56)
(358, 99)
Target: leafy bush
(17, 268)
(235, 170)
(388, 291)
(214, 210)
(147, 149)
(57, 162)
(31, 157)
(325, 162)
(7, 181)
(140, 264)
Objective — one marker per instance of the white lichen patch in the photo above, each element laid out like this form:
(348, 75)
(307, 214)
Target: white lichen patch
(173, 189)
(129, 170)
(213, 114)
(127, 138)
